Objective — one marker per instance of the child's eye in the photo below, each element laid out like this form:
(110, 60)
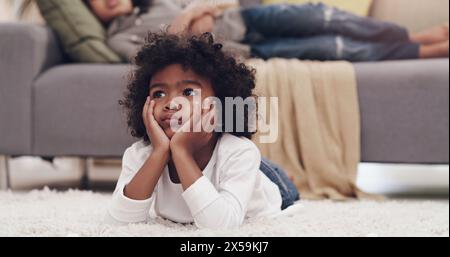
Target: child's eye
(158, 94)
(189, 92)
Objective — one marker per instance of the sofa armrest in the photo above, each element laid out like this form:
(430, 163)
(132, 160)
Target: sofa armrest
(404, 111)
(26, 50)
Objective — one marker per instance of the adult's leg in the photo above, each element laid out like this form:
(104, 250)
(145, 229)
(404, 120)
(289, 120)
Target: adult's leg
(294, 21)
(363, 28)
(331, 47)
(320, 48)
(283, 20)
(275, 173)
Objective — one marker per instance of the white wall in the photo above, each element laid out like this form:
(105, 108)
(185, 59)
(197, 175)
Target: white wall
(414, 14)
(6, 11)
(9, 10)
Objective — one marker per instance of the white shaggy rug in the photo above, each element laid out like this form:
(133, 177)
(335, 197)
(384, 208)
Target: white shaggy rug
(78, 213)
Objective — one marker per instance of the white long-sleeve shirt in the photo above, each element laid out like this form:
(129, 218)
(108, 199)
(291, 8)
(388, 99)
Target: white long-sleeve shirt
(231, 189)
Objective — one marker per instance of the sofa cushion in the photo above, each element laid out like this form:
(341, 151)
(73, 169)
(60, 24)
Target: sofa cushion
(360, 7)
(81, 34)
(404, 111)
(76, 111)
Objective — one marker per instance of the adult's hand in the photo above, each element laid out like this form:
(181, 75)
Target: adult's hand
(202, 25)
(191, 14)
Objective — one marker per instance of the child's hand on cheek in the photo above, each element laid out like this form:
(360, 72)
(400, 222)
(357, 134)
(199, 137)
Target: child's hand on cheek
(188, 141)
(158, 138)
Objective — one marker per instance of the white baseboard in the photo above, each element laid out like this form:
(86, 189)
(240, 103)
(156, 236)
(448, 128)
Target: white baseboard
(404, 179)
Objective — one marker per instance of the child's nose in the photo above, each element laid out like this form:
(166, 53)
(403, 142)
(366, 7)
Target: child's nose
(172, 105)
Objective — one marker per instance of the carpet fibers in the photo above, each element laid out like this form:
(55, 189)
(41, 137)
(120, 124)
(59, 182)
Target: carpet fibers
(80, 213)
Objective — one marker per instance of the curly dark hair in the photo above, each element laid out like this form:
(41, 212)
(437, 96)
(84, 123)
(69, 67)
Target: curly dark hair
(200, 54)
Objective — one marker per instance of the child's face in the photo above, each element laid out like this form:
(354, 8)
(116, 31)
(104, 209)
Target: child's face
(107, 10)
(169, 85)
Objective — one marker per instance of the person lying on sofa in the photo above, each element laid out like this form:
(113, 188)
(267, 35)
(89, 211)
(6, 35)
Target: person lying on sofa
(307, 31)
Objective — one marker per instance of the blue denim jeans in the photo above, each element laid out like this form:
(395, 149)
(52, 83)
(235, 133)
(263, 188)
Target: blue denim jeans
(319, 32)
(276, 174)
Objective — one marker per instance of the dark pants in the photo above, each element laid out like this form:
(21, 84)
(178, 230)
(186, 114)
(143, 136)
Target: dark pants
(289, 193)
(319, 32)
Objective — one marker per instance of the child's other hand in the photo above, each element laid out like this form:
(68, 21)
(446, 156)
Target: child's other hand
(188, 141)
(158, 138)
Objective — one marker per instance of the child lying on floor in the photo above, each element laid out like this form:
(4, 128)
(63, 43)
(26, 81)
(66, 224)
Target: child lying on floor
(211, 178)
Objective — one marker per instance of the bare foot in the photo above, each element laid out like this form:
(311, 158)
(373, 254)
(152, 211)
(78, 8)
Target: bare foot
(431, 36)
(439, 50)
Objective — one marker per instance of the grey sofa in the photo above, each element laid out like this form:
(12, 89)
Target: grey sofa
(50, 107)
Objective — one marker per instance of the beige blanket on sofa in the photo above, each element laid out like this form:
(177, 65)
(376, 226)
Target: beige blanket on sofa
(318, 124)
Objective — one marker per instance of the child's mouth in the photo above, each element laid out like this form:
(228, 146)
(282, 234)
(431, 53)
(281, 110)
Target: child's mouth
(166, 122)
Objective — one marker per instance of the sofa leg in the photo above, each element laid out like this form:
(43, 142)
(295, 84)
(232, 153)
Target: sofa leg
(84, 181)
(5, 182)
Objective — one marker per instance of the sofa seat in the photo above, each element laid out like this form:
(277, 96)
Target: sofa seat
(403, 104)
